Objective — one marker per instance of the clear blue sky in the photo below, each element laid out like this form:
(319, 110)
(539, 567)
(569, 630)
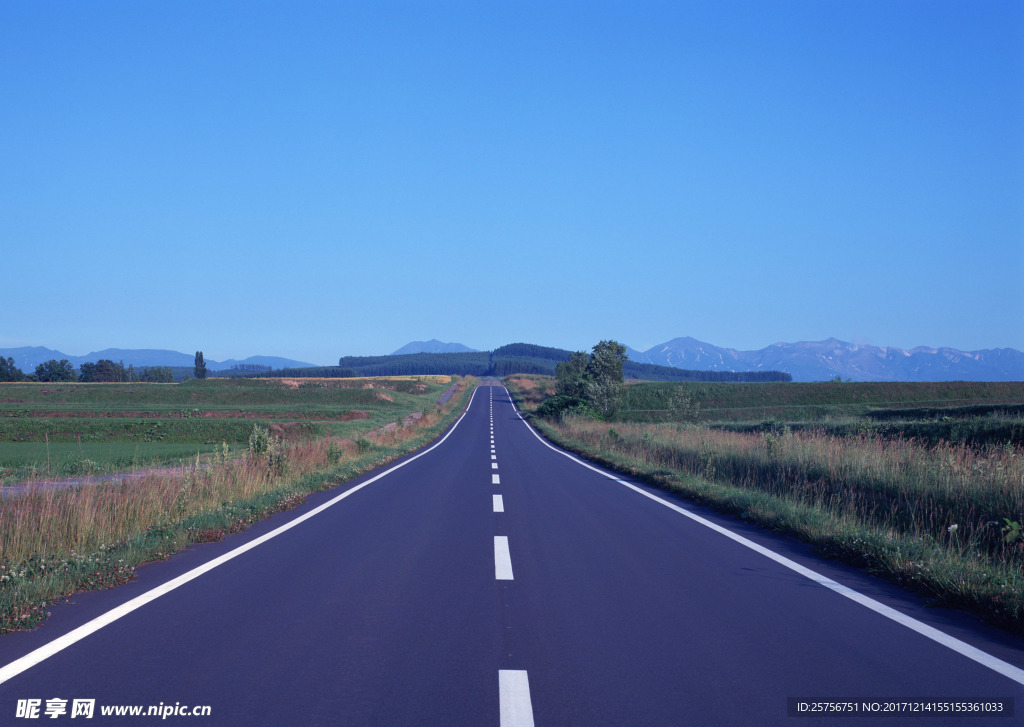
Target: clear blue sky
(317, 179)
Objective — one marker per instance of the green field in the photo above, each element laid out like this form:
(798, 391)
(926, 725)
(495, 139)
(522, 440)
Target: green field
(974, 413)
(71, 429)
(795, 402)
(68, 459)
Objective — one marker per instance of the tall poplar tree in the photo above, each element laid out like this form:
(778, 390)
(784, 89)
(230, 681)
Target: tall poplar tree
(200, 368)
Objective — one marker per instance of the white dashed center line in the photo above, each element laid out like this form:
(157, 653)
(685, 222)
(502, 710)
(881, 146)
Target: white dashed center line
(514, 698)
(502, 559)
(516, 708)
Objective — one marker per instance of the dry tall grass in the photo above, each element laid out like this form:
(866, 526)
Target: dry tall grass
(61, 522)
(895, 484)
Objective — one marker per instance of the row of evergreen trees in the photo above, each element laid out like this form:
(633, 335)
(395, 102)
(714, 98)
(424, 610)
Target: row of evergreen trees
(526, 358)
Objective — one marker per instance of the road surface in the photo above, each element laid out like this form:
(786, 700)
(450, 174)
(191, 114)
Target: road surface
(493, 580)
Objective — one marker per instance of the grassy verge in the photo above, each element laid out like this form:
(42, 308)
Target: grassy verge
(930, 518)
(57, 542)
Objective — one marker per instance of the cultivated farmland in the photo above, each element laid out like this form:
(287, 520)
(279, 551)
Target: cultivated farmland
(60, 430)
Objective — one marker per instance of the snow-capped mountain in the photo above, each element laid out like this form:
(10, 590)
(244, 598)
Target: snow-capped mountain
(824, 360)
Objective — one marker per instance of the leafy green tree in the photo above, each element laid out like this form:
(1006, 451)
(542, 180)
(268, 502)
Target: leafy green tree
(87, 372)
(103, 370)
(157, 374)
(8, 371)
(589, 384)
(571, 376)
(200, 367)
(54, 370)
(604, 377)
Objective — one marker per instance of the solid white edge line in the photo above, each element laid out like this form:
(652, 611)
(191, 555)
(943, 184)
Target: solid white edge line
(514, 698)
(498, 502)
(961, 647)
(502, 559)
(59, 644)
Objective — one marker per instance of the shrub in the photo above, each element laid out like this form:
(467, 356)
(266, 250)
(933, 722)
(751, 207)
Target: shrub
(559, 405)
(259, 441)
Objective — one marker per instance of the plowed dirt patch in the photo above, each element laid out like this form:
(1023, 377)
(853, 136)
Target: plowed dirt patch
(93, 414)
(345, 416)
(288, 430)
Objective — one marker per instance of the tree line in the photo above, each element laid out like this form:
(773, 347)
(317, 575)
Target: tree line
(103, 370)
(514, 358)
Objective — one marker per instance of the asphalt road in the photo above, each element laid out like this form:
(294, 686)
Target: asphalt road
(494, 580)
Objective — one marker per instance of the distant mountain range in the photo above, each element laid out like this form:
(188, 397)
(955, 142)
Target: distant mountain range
(825, 360)
(433, 346)
(820, 360)
(28, 357)
(805, 360)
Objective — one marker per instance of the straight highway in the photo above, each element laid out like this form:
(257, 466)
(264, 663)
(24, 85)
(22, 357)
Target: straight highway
(492, 579)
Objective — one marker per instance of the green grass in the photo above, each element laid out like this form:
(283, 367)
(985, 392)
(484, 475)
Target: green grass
(212, 392)
(72, 430)
(972, 413)
(801, 402)
(974, 432)
(31, 460)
